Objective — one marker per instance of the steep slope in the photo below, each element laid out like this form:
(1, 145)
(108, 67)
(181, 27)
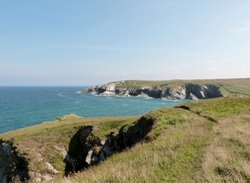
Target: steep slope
(47, 146)
(176, 89)
(205, 141)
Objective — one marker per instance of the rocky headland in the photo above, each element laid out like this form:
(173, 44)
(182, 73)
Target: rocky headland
(179, 91)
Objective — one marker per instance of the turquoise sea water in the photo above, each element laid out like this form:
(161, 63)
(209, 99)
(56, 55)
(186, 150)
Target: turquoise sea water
(26, 106)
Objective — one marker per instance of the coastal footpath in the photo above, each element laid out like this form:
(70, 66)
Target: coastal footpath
(175, 89)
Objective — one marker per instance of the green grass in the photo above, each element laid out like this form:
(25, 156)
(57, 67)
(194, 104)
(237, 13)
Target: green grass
(186, 148)
(228, 87)
(45, 139)
(183, 146)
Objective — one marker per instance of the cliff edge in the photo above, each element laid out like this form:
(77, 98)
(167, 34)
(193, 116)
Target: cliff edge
(206, 141)
(175, 89)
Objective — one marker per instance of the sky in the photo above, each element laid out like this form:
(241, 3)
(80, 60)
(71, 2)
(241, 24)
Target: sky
(84, 42)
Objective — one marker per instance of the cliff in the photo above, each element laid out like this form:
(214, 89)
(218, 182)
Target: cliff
(182, 91)
(206, 141)
(176, 89)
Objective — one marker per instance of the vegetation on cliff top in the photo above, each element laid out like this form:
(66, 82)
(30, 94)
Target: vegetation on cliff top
(228, 87)
(204, 141)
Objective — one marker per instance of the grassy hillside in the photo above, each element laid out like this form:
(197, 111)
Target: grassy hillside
(49, 141)
(210, 142)
(207, 141)
(228, 87)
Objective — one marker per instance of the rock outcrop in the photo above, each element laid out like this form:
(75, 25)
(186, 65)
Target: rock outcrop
(87, 149)
(181, 91)
(13, 165)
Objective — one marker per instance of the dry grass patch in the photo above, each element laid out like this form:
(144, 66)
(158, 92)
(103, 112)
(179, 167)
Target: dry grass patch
(174, 154)
(227, 159)
(183, 146)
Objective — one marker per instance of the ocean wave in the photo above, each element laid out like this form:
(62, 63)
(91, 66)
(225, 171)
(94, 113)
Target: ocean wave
(60, 95)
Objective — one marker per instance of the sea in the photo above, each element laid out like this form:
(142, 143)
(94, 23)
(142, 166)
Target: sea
(26, 106)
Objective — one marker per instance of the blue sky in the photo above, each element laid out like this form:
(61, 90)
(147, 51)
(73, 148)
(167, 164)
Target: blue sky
(85, 42)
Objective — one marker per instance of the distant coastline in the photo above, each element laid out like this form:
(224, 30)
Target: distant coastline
(175, 89)
(26, 106)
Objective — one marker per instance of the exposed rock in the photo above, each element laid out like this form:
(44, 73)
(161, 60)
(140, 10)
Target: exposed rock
(86, 149)
(193, 97)
(47, 178)
(89, 157)
(6, 147)
(80, 145)
(13, 165)
(103, 141)
(37, 177)
(51, 168)
(107, 150)
(182, 91)
(178, 92)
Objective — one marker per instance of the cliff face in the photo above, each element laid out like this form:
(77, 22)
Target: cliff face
(13, 165)
(181, 91)
(87, 149)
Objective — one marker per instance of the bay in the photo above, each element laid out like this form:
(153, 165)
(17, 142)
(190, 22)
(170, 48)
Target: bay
(25, 106)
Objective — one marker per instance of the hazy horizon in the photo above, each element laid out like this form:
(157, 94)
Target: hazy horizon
(83, 43)
(105, 82)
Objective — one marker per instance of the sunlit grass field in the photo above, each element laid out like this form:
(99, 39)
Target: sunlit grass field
(206, 141)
